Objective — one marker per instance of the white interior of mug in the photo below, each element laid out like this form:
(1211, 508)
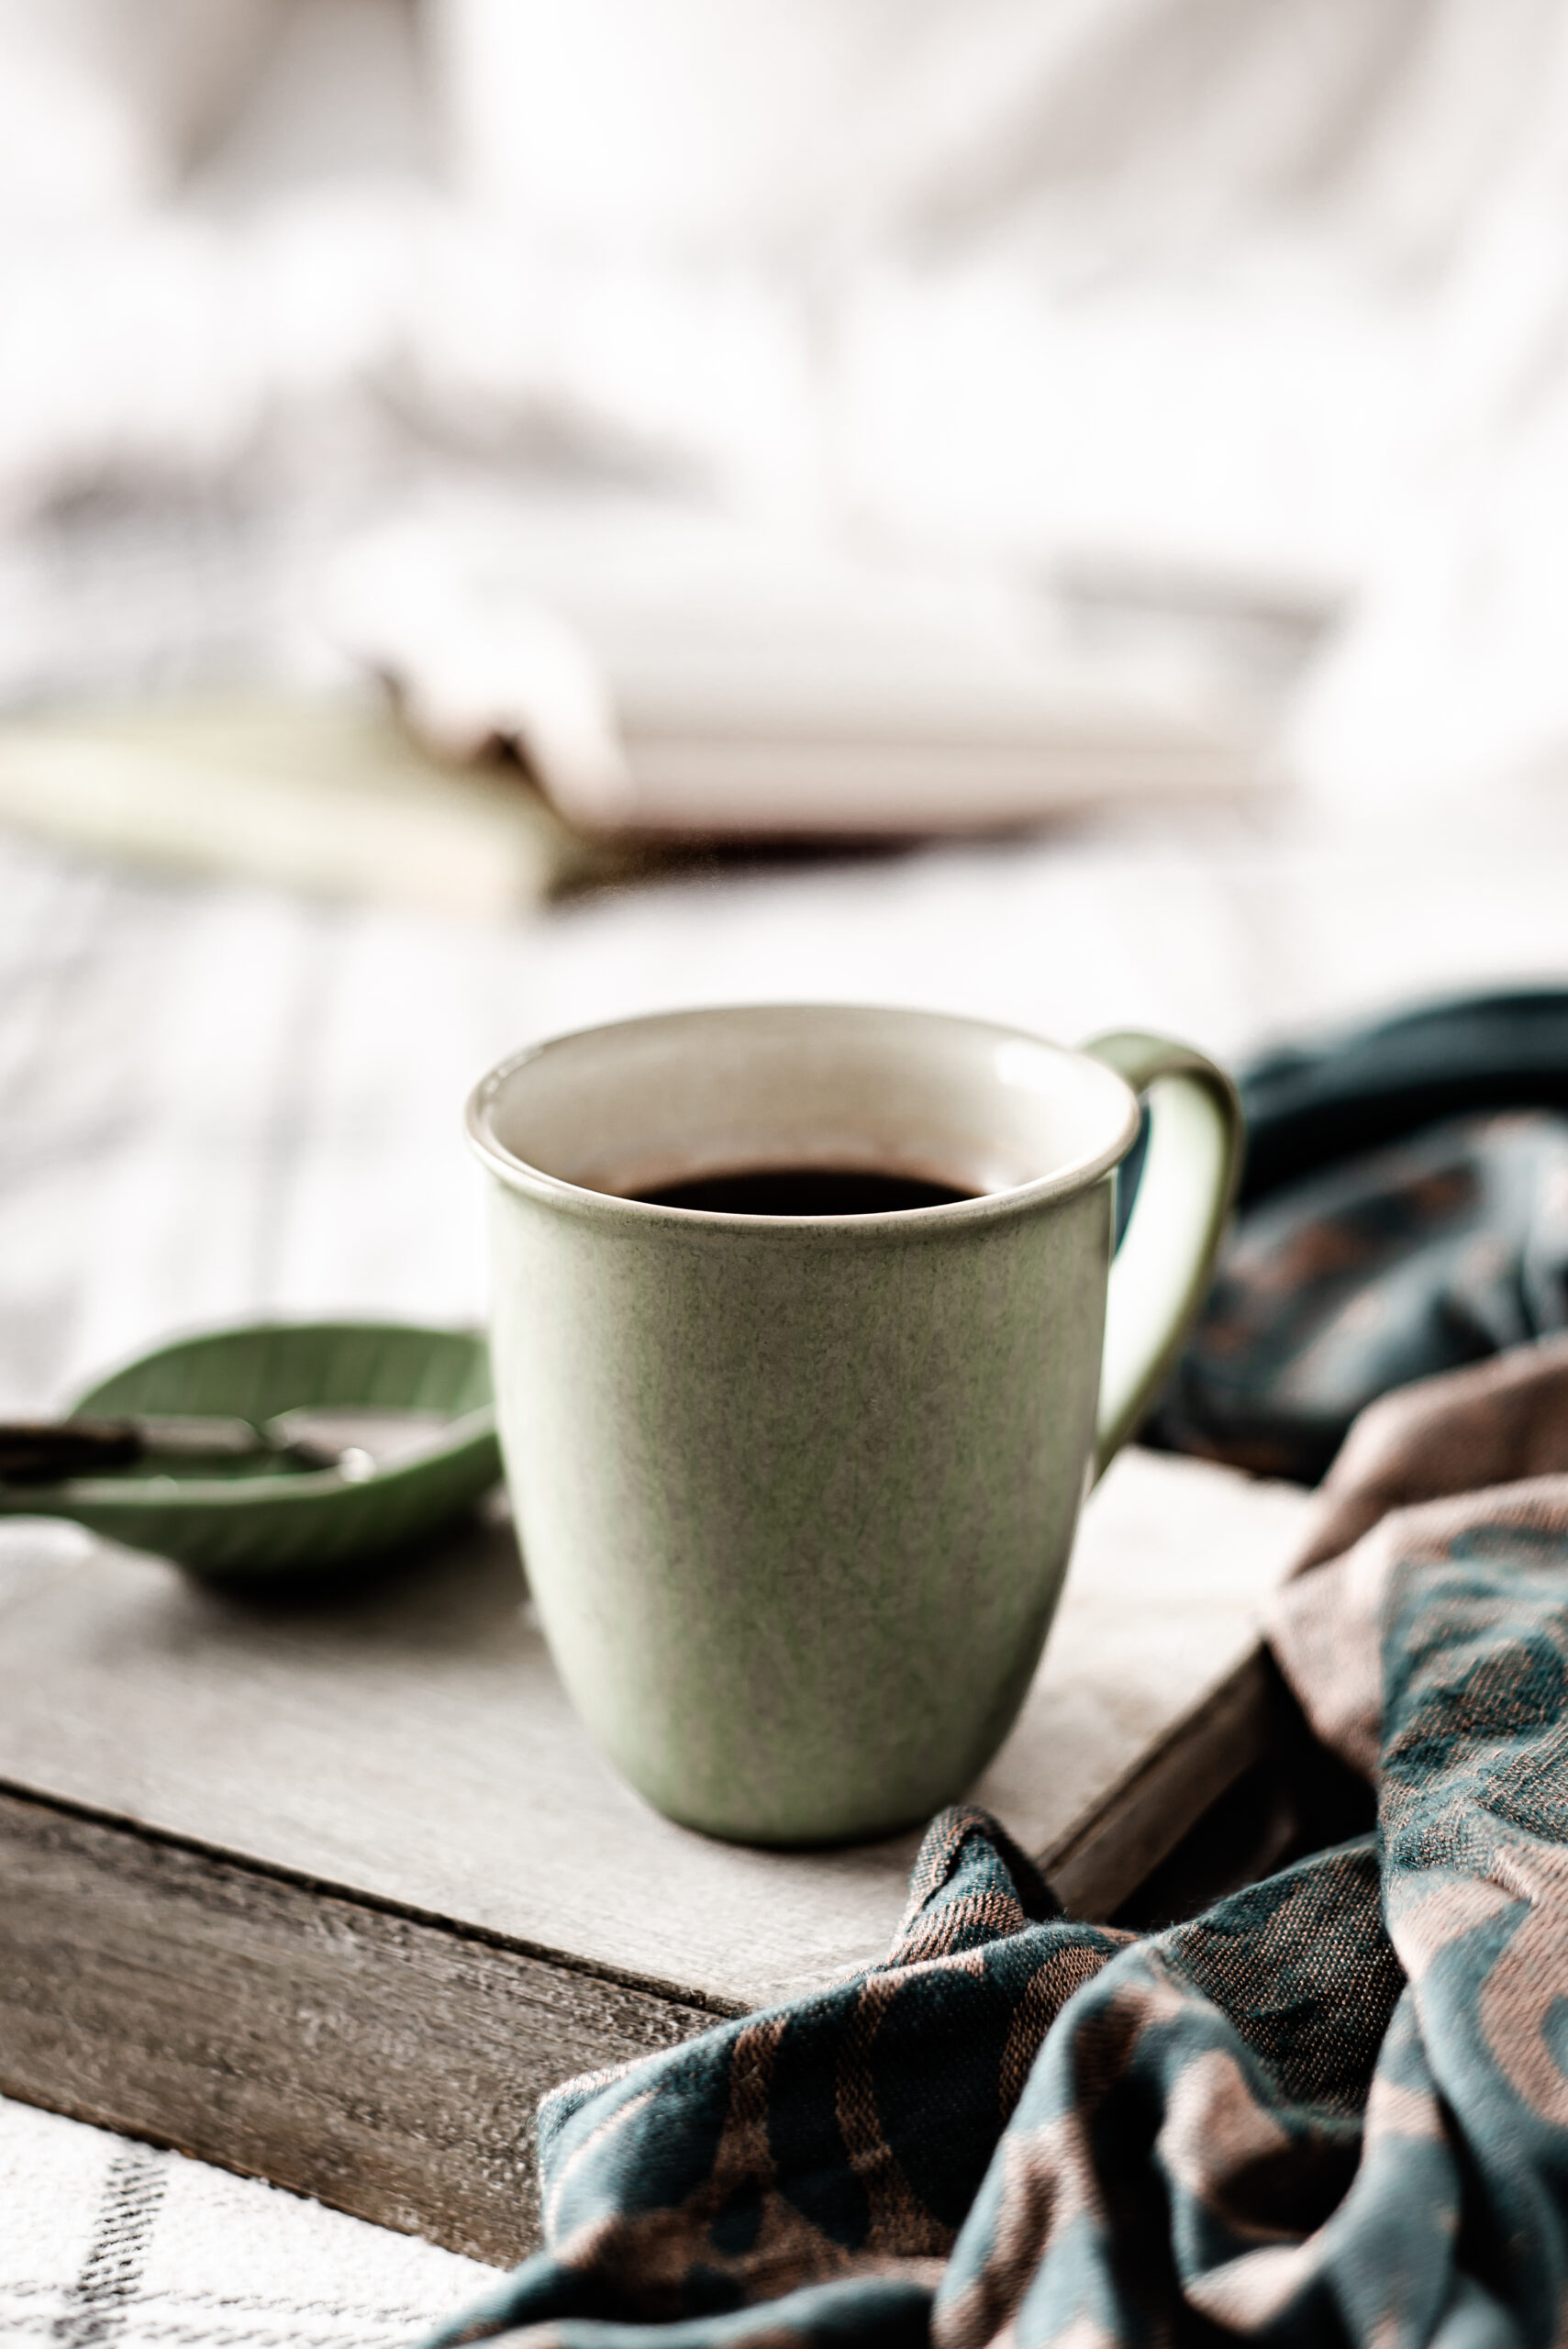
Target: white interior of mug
(650, 1103)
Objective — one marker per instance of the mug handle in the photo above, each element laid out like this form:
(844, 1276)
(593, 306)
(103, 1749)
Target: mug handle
(1161, 1272)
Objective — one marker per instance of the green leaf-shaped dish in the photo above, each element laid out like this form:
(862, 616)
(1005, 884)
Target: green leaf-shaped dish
(258, 1523)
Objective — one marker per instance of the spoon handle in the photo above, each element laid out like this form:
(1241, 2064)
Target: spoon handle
(37, 1452)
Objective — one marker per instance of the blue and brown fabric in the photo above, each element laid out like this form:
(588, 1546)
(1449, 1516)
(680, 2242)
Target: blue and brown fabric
(1334, 2108)
(1423, 1256)
(1404, 1210)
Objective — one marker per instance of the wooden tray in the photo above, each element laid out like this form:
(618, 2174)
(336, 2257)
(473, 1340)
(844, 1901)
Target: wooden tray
(333, 1894)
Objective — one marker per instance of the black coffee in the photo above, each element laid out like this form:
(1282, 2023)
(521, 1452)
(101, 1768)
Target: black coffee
(806, 1190)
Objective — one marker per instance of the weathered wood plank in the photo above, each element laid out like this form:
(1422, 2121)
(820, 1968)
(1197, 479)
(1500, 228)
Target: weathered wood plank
(1137, 1719)
(1108, 1858)
(412, 1746)
(383, 2065)
(332, 1892)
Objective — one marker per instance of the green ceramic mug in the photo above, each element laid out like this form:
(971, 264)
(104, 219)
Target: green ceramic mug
(796, 1493)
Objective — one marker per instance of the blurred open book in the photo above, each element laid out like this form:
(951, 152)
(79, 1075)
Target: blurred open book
(668, 676)
(325, 795)
(651, 681)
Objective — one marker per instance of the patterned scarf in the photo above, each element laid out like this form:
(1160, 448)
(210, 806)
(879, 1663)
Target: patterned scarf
(1335, 2106)
(1404, 1210)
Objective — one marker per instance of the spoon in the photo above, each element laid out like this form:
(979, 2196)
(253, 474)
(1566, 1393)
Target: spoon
(355, 1443)
(385, 1433)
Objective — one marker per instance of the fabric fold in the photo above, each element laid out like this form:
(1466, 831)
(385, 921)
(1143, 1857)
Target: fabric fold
(1332, 2108)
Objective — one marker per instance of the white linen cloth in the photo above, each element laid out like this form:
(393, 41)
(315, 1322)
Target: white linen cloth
(1190, 296)
(105, 2241)
(221, 1102)
(217, 1102)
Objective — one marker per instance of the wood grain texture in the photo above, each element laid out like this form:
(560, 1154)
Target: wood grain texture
(333, 1891)
(1097, 1868)
(386, 2066)
(411, 1743)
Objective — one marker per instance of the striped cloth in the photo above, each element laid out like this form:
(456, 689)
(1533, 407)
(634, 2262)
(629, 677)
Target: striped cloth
(105, 2241)
(220, 1101)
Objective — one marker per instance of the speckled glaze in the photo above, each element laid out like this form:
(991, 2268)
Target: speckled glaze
(796, 1496)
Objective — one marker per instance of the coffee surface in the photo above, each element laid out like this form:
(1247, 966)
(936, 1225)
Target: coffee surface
(806, 1190)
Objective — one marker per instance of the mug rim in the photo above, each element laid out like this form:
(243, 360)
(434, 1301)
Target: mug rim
(518, 1174)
